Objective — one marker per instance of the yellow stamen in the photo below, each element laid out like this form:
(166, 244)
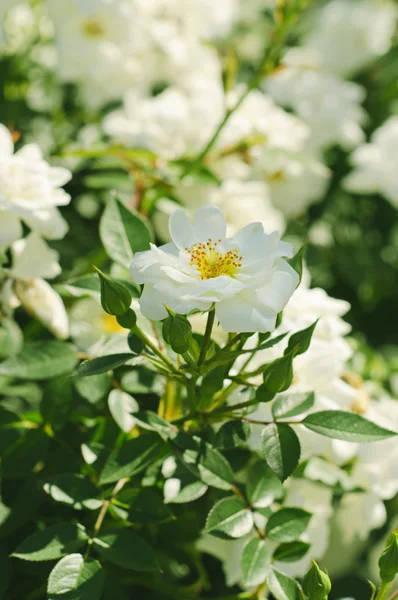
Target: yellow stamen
(211, 263)
(93, 28)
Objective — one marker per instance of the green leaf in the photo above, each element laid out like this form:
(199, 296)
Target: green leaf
(297, 261)
(262, 486)
(177, 331)
(57, 402)
(121, 406)
(291, 551)
(40, 360)
(233, 435)
(11, 338)
(123, 232)
(29, 450)
(287, 524)
(300, 341)
(126, 549)
(132, 458)
(87, 285)
(102, 364)
(229, 517)
(93, 388)
(188, 490)
(145, 506)
(73, 489)
(342, 425)
(281, 448)
(147, 419)
(278, 376)
(255, 560)
(75, 578)
(211, 466)
(52, 543)
(291, 405)
(281, 586)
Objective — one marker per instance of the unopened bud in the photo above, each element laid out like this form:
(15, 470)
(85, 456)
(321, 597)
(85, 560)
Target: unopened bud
(316, 583)
(128, 320)
(115, 297)
(388, 561)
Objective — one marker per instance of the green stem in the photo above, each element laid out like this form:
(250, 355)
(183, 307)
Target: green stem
(207, 336)
(147, 341)
(384, 590)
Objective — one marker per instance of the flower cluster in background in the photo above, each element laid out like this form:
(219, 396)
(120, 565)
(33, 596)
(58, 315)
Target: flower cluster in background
(173, 105)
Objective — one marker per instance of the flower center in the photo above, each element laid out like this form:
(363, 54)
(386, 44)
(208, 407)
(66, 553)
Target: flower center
(93, 28)
(211, 263)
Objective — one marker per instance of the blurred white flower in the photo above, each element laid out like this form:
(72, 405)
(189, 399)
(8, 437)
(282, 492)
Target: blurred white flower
(30, 192)
(376, 164)
(330, 106)
(357, 515)
(363, 31)
(33, 262)
(244, 276)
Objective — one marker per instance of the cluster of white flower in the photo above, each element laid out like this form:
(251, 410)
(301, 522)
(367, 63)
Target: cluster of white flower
(30, 192)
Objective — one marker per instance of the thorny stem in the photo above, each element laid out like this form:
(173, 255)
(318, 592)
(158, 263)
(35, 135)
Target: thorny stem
(207, 336)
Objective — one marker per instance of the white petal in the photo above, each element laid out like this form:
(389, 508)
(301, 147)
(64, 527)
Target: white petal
(209, 222)
(10, 229)
(33, 258)
(48, 222)
(242, 313)
(280, 288)
(181, 230)
(6, 143)
(152, 304)
(40, 300)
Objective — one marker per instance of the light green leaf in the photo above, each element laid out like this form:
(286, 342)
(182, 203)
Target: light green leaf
(121, 406)
(73, 489)
(147, 419)
(52, 543)
(342, 425)
(123, 232)
(287, 524)
(184, 489)
(40, 360)
(134, 456)
(93, 388)
(126, 549)
(281, 586)
(263, 486)
(76, 578)
(102, 364)
(255, 560)
(212, 467)
(281, 448)
(11, 338)
(300, 341)
(290, 405)
(229, 517)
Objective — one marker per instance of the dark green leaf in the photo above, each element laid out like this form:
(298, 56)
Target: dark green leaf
(177, 331)
(281, 448)
(102, 364)
(151, 421)
(291, 405)
(300, 341)
(40, 360)
(232, 435)
(291, 551)
(52, 543)
(278, 376)
(263, 486)
(57, 402)
(255, 560)
(229, 517)
(115, 297)
(287, 524)
(145, 506)
(134, 456)
(73, 489)
(297, 261)
(126, 549)
(211, 466)
(29, 450)
(342, 425)
(76, 578)
(123, 232)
